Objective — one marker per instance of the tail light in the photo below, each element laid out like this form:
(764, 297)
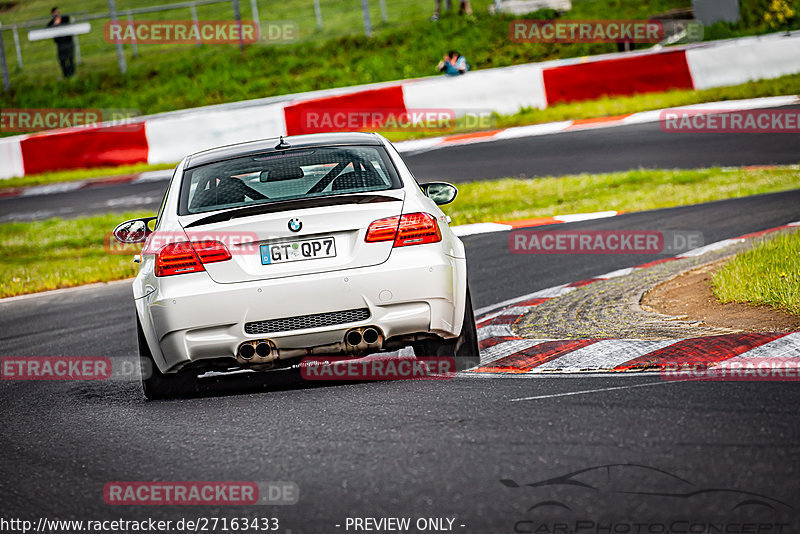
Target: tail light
(405, 230)
(185, 257)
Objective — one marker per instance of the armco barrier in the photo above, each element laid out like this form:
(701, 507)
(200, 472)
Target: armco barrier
(11, 157)
(646, 73)
(388, 99)
(743, 60)
(171, 137)
(504, 90)
(84, 147)
(168, 137)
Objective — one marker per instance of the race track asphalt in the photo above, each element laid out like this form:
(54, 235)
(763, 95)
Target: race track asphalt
(415, 448)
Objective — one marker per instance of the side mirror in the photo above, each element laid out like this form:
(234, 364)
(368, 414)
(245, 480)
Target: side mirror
(440, 192)
(133, 231)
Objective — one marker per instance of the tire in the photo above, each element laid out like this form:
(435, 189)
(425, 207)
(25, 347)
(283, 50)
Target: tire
(464, 348)
(158, 385)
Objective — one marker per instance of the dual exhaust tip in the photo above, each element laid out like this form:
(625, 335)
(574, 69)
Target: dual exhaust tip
(369, 335)
(356, 340)
(247, 350)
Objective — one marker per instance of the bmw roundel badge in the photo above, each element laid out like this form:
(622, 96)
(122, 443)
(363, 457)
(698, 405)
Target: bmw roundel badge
(295, 225)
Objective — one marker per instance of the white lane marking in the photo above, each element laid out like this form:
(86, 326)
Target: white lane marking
(507, 348)
(61, 187)
(480, 228)
(514, 310)
(709, 248)
(556, 376)
(585, 216)
(616, 274)
(550, 292)
(131, 200)
(605, 354)
(153, 176)
(599, 390)
(495, 330)
(532, 130)
(418, 145)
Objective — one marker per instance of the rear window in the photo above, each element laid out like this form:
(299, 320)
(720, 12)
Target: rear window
(290, 175)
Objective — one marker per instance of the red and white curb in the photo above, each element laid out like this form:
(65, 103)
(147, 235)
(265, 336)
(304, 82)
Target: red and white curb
(505, 353)
(505, 226)
(68, 187)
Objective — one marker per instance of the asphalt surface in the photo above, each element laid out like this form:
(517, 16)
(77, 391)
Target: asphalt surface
(600, 150)
(415, 449)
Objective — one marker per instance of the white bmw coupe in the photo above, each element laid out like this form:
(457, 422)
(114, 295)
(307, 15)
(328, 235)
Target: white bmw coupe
(268, 251)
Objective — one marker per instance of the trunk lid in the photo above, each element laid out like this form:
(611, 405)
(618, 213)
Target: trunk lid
(260, 243)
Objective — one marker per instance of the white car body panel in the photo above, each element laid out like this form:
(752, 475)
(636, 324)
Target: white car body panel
(419, 289)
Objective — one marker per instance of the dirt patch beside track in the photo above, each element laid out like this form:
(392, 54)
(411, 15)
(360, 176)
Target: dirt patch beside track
(681, 306)
(688, 296)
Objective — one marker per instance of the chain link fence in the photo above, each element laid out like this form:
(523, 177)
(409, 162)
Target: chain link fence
(24, 58)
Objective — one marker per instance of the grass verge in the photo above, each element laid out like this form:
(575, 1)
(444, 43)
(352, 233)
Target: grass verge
(768, 274)
(57, 253)
(167, 77)
(637, 190)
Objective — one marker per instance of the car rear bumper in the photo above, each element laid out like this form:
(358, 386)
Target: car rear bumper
(190, 317)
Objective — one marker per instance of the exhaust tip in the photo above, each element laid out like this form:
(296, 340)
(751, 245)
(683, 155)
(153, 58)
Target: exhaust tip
(371, 335)
(353, 337)
(246, 351)
(263, 349)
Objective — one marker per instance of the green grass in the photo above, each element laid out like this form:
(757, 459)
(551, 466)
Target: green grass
(56, 253)
(768, 274)
(637, 190)
(168, 77)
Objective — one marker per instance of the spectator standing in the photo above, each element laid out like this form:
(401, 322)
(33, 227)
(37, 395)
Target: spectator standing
(464, 8)
(64, 44)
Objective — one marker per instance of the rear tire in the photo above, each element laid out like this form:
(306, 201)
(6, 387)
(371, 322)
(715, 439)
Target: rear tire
(464, 349)
(158, 385)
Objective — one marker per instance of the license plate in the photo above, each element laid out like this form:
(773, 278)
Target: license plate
(304, 249)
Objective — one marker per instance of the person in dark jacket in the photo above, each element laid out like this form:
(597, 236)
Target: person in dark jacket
(64, 44)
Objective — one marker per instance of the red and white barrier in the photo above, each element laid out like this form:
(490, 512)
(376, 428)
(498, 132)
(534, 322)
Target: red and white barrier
(169, 137)
(627, 75)
(743, 60)
(172, 137)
